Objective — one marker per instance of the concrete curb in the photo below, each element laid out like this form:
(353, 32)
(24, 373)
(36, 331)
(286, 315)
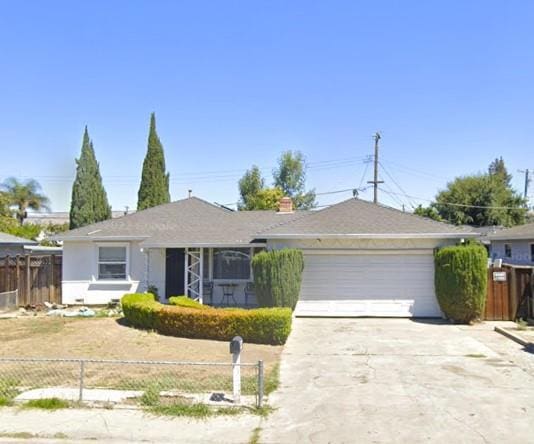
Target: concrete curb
(514, 337)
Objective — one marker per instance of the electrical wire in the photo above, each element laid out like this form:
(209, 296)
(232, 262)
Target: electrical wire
(456, 204)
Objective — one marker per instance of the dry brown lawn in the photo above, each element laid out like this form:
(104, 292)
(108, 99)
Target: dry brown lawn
(109, 338)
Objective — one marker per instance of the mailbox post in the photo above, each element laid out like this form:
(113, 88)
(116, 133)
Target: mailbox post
(236, 345)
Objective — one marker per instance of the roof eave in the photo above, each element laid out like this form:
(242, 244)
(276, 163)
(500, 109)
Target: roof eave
(511, 237)
(201, 244)
(99, 238)
(371, 236)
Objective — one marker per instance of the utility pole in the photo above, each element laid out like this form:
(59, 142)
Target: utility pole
(375, 180)
(527, 181)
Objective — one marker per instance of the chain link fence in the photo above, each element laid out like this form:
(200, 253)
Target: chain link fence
(9, 300)
(127, 382)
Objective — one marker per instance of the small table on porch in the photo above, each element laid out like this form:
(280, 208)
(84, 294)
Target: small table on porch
(228, 289)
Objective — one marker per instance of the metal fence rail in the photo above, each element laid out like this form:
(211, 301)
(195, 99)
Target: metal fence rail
(111, 380)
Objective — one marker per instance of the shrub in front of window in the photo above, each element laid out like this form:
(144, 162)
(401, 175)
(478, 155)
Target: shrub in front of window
(277, 277)
(461, 281)
(260, 326)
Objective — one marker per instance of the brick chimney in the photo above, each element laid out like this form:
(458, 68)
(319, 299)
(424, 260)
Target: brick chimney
(285, 205)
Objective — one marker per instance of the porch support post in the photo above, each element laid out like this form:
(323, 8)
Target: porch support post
(186, 274)
(201, 282)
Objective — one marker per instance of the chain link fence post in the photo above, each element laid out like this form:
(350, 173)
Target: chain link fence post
(82, 371)
(261, 383)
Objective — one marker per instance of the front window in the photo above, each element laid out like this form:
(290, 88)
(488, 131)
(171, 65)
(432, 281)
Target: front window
(507, 250)
(231, 264)
(531, 252)
(111, 263)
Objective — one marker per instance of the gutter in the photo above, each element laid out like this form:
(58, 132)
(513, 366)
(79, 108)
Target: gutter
(372, 236)
(98, 238)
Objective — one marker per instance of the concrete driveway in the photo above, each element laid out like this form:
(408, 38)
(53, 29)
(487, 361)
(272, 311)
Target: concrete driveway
(398, 380)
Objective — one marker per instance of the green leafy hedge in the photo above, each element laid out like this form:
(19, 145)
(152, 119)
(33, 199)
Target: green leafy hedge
(261, 326)
(184, 301)
(461, 281)
(277, 277)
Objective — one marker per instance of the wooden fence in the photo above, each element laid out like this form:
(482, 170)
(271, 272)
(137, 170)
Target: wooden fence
(509, 293)
(37, 278)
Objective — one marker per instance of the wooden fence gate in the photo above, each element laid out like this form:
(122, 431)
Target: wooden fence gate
(37, 278)
(509, 293)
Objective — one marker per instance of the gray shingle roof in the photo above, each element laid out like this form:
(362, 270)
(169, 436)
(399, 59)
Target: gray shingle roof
(355, 217)
(519, 232)
(193, 221)
(185, 222)
(14, 240)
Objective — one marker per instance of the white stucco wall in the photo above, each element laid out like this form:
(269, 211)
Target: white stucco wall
(80, 284)
(156, 267)
(520, 251)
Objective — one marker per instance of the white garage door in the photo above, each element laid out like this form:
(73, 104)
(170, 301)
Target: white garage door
(337, 284)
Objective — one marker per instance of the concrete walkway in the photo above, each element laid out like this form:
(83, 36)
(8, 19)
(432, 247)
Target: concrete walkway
(397, 380)
(120, 426)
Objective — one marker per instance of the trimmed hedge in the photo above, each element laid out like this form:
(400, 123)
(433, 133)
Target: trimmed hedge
(184, 301)
(461, 281)
(260, 326)
(277, 277)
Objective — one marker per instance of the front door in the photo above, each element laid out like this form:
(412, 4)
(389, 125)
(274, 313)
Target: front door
(174, 272)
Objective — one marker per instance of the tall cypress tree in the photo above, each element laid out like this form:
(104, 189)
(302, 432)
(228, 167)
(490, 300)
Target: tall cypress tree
(154, 188)
(89, 203)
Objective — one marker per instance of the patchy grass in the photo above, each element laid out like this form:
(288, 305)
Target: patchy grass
(255, 437)
(182, 409)
(475, 355)
(28, 435)
(272, 379)
(46, 404)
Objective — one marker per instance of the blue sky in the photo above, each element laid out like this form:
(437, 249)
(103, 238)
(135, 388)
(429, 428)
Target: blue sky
(449, 84)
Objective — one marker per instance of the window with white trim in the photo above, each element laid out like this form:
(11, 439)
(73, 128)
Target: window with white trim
(112, 262)
(231, 263)
(531, 252)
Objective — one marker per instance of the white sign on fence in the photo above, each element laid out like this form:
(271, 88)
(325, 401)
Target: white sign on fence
(499, 276)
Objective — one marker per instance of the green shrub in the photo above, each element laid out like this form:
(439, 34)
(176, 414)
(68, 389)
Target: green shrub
(261, 326)
(277, 277)
(461, 281)
(140, 309)
(184, 301)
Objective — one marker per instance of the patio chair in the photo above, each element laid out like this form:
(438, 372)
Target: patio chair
(250, 292)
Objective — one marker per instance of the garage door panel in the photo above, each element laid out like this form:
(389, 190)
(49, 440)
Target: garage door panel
(368, 285)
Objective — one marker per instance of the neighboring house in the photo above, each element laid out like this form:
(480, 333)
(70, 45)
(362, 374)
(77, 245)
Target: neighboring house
(361, 259)
(12, 245)
(514, 245)
(60, 217)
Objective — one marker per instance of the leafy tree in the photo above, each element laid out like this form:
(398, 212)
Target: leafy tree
(265, 199)
(5, 210)
(290, 177)
(250, 185)
(498, 169)
(24, 195)
(154, 188)
(429, 211)
(89, 202)
(483, 199)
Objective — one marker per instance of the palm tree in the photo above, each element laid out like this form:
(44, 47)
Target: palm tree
(25, 195)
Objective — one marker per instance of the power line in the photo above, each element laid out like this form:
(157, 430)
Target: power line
(458, 204)
(397, 184)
